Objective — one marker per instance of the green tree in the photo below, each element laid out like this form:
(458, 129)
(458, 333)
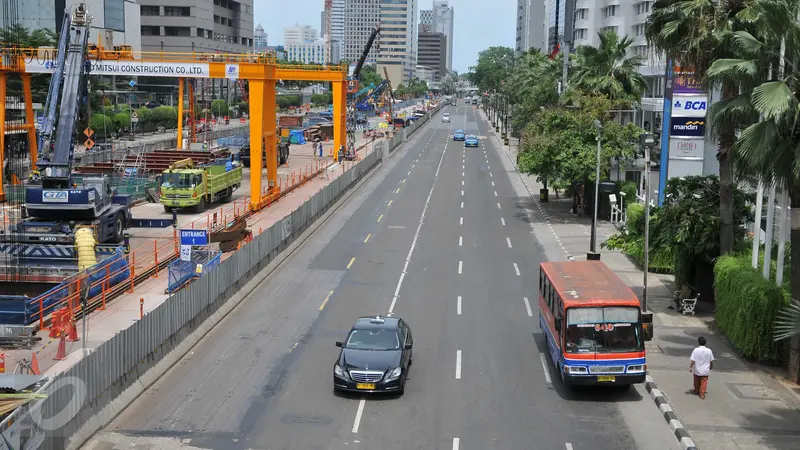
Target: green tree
(369, 75)
(533, 85)
(17, 36)
(219, 107)
(122, 120)
(493, 67)
(102, 125)
(608, 70)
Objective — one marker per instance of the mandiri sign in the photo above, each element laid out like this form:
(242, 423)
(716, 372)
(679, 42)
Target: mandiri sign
(688, 126)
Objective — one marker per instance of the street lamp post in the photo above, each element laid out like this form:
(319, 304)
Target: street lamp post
(646, 140)
(593, 255)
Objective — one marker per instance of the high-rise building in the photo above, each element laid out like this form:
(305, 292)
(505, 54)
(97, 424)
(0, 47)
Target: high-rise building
(530, 26)
(260, 39)
(308, 52)
(554, 28)
(199, 25)
(426, 17)
(443, 19)
(360, 19)
(432, 51)
(299, 35)
(398, 40)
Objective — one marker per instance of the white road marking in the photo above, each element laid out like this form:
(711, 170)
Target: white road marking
(489, 167)
(458, 308)
(462, 204)
(492, 183)
(456, 443)
(490, 174)
(547, 376)
(508, 241)
(462, 192)
(516, 268)
(359, 413)
(460, 267)
(458, 365)
(462, 174)
(498, 206)
(461, 222)
(503, 221)
(495, 193)
(527, 306)
(462, 166)
(461, 241)
(569, 446)
(462, 182)
(409, 172)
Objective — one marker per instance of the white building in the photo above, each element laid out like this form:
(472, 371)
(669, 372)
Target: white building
(398, 40)
(299, 35)
(443, 19)
(360, 19)
(426, 17)
(311, 52)
(530, 26)
(260, 40)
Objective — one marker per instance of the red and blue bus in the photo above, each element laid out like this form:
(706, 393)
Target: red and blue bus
(592, 322)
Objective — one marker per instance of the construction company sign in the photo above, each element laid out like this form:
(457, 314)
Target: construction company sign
(689, 106)
(132, 68)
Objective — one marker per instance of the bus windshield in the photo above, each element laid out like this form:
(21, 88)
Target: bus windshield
(603, 330)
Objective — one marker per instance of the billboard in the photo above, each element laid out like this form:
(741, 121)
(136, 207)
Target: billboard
(132, 68)
(689, 106)
(686, 84)
(688, 126)
(686, 148)
(114, 15)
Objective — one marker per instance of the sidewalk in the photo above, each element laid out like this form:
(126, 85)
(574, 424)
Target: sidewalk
(747, 405)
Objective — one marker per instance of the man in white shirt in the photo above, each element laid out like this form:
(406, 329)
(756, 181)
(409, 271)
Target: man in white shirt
(701, 365)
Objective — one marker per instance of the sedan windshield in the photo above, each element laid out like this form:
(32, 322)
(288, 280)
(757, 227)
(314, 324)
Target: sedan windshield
(376, 339)
(603, 330)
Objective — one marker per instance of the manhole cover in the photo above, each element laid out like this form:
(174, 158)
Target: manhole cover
(752, 391)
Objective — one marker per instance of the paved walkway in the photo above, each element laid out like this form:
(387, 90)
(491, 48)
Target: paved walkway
(747, 406)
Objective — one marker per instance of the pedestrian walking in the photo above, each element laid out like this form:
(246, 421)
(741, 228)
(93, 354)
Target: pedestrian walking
(702, 361)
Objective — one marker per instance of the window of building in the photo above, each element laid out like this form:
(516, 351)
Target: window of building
(643, 8)
(151, 10)
(177, 31)
(181, 11)
(581, 14)
(638, 30)
(580, 33)
(148, 30)
(201, 32)
(610, 11)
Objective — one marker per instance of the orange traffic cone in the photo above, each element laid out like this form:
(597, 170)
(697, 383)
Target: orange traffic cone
(2, 363)
(61, 354)
(35, 365)
(55, 325)
(72, 336)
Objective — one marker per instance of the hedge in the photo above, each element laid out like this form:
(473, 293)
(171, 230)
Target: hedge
(746, 308)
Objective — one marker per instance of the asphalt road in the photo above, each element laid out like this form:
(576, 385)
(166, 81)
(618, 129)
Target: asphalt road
(440, 237)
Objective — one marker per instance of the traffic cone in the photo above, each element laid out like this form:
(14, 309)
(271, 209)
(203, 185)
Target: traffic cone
(61, 354)
(73, 331)
(2, 363)
(55, 324)
(35, 365)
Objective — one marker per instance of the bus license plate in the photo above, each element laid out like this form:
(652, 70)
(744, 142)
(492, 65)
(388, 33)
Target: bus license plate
(606, 379)
(366, 386)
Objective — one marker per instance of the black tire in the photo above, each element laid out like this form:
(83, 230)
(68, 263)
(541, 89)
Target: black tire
(402, 387)
(284, 158)
(229, 195)
(167, 209)
(202, 205)
(119, 227)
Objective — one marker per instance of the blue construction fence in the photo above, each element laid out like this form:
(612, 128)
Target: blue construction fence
(233, 141)
(181, 272)
(24, 310)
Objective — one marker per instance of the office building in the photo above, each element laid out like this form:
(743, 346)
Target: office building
(432, 52)
(337, 21)
(309, 52)
(199, 25)
(530, 26)
(398, 40)
(360, 19)
(443, 18)
(260, 39)
(299, 35)
(426, 17)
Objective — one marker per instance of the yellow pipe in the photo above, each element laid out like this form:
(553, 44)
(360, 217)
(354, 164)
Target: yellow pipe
(181, 82)
(85, 244)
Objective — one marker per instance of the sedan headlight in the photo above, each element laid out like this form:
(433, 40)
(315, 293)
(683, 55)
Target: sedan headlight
(339, 372)
(393, 375)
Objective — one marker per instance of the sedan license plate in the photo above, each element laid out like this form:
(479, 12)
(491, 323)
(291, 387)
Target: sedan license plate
(367, 386)
(606, 379)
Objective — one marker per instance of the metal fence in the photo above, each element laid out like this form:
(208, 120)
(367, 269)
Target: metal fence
(202, 262)
(80, 400)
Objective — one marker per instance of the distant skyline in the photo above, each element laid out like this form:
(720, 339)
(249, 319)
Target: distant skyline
(479, 24)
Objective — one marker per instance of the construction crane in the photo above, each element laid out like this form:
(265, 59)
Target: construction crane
(352, 90)
(328, 44)
(390, 94)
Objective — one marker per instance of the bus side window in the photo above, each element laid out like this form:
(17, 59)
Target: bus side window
(541, 281)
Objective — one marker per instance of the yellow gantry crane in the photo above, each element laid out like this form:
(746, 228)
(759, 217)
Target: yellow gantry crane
(260, 70)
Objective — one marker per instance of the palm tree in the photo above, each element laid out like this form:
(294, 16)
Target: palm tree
(532, 85)
(608, 70)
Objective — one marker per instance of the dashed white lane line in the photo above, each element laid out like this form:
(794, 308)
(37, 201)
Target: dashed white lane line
(495, 193)
(352, 260)
(389, 204)
(366, 239)
(409, 172)
(462, 192)
(462, 205)
(460, 267)
(489, 167)
(492, 183)
(461, 221)
(461, 241)
(458, 307)
(527, 306)
(458, 364)
(456, 443)
(503, 221)
(498, 206)
(462, 182)
(508, 241)
(516, 268)
(569, 446)
(359, 413)
(462, 174)
(490, 174)
(547, 377)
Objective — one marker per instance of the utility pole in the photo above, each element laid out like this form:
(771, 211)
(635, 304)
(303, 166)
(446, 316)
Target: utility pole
(646, 140)
(593, 255)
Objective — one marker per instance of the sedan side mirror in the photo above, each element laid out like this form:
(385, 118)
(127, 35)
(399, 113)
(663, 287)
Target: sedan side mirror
(409, 346)
(339, 344)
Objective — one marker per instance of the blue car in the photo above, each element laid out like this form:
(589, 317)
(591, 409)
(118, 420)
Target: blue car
(471, 141)
(459, 135)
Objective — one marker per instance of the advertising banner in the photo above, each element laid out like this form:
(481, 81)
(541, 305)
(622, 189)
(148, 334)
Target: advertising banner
(132, 68)
(688, 126)
(686, 84)
(689, 106)
(686, 148)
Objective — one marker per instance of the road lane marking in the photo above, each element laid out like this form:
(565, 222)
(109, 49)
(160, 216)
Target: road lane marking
(498, 206)
(409, 172)
(325, 302)
(489, 167)
(380, 217)
(458, 365)
(547, 375)
(359, 413)
(492, 183)
(404, 181)
(460, 267)
(397, 227)
(516, 268)
(460, 241)
(462, 192)
(462, 205)
(352, 260)
(462, 182)
(367, 238)
(569, 446)
(527, 306)
(495, 193)
(458, 309)
(462, 174)
(456, 443)
(503, 221)
(490, 174)
(508, 241)
(389, 204)
(461, 222)
(397, 191)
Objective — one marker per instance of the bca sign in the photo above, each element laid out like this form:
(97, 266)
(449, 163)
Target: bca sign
(689, 106)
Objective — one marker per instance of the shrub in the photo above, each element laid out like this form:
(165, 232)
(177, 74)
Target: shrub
(746, 308)
(122, 120)
(101, 124)
(630, 190)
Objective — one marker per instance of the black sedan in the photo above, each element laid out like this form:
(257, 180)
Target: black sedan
(375, 357)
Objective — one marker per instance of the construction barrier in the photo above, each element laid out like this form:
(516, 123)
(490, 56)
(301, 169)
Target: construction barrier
(181, 272)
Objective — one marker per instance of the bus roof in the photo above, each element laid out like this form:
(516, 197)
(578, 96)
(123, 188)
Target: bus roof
(588, 283)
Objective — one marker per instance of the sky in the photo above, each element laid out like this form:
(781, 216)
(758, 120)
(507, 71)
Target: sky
(479, 24)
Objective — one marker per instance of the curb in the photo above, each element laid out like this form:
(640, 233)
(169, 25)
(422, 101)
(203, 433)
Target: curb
(669, 415)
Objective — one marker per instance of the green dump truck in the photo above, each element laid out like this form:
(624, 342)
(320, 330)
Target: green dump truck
(184, 185)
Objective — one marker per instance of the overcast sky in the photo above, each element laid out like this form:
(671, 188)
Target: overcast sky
(478, 23)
